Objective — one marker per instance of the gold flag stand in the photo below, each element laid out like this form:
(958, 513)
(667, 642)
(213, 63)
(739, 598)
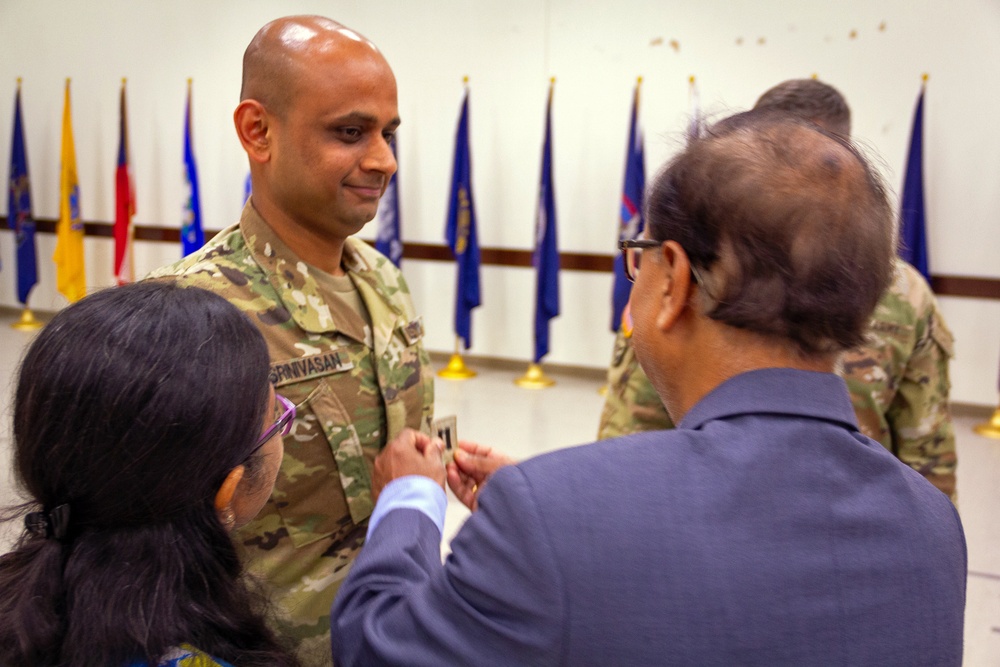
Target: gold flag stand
(534, 378)
(990, 429)
(27, 322)
(456, 368)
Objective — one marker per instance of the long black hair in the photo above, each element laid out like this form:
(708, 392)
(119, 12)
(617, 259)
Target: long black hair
(132, 406)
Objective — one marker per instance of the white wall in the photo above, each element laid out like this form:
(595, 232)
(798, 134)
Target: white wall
(509, 50)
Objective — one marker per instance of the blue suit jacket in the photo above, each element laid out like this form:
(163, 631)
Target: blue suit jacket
(765, 530)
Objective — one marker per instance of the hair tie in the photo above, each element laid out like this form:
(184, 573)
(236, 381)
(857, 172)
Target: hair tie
(54, 523)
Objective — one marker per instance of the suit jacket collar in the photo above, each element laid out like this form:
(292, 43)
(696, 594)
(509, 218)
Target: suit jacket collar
(785, 391)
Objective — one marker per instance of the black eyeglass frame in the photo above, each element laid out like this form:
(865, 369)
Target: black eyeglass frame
(632, 265)
(630, 260)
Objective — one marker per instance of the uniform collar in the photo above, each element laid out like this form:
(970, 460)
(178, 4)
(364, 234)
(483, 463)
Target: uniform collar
(297, 289)
(786, 391)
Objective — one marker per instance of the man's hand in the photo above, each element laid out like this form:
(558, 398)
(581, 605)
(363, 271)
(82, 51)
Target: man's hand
(473, 465)
(410, 453)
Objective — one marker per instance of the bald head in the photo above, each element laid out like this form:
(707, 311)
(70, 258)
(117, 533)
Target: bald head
(788, 226)
(284, 48)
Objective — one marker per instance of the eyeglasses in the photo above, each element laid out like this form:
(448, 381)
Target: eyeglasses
(283, 423)
(632, 253)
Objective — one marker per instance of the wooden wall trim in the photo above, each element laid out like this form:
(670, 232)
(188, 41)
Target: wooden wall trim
(960, 286)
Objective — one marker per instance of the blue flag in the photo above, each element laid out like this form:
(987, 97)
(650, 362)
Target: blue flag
(247, 189)
(19, 215)
(912, 221)
(387, 239)
(192, 235)
(461, 230)
(631, 221)
(546, 256)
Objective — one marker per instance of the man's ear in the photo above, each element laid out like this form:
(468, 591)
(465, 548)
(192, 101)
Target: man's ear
(676, 287)
(252, 125)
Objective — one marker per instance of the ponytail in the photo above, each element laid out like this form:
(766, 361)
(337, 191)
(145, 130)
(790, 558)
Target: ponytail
(33, 603)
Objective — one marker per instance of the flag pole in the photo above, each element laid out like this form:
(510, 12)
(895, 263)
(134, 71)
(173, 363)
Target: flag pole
(991, 428)
(546, 256)
(456, 368)
(131, 229)
(534, 378)
(27, 321)
(460, 231)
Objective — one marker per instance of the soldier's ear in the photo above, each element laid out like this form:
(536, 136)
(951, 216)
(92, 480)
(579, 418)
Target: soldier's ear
(253, 128)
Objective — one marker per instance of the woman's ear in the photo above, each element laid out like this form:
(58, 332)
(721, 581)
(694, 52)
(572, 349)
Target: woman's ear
(224, 496)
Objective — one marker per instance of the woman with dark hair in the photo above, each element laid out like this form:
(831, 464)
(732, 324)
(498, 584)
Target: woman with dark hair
(145, 430)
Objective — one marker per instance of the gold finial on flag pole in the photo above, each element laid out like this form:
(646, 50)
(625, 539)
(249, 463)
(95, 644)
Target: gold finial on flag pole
(456, 368)
(534, 378)
(19, 83)
(27, 321)
(465, 80)
(691, 79)
(815, 76)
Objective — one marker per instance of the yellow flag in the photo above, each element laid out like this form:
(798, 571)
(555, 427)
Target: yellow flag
(71, 280)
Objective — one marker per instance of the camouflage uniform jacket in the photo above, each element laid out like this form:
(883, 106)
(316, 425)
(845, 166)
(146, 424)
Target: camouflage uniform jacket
(352, 399)
(898, 382)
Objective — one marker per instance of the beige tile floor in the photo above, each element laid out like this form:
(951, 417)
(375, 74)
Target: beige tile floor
(492, 410)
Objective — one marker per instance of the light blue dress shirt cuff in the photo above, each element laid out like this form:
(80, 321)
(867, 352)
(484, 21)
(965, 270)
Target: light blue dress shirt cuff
(413, 492)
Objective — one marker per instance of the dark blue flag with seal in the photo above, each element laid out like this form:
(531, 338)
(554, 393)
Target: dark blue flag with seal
(546, 255)
(631, 220)
(192, 234)
(460, 230)
(387, 237)
(19, 216)
(912, 219)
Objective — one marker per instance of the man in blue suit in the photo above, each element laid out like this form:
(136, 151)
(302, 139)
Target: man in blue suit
(764, 530)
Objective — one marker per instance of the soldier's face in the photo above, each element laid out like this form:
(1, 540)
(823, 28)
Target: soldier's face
(330, 154)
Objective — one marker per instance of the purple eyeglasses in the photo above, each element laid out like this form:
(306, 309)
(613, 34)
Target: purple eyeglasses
(283, 423)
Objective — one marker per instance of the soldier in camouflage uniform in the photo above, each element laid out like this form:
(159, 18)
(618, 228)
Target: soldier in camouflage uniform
(317, 112)
(898, 381)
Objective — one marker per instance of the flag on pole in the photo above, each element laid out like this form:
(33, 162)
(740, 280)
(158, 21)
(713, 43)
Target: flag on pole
(631, 221)
(19, 216)
(461, 229)
(546, 256)
(694, 118)
(247, 189)
(71, 280)
(192, 236)
(912, 220)
(124, 201)
(387, 238)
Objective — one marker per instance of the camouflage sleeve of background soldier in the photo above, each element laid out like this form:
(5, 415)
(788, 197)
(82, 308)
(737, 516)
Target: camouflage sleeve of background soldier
(631, 404)
(919, 416)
